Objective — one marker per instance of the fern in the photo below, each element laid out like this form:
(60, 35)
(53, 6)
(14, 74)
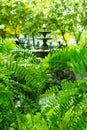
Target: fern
(66, 109)
(79, 66)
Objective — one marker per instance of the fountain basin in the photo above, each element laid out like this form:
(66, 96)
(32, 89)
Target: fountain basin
(40, 53)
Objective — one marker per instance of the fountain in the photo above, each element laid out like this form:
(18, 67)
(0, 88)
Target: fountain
(44, 38)
(44, 49)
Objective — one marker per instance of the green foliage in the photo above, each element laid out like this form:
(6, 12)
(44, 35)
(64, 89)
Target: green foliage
(7, 114)
(24, 56)
(79, 65)
(30, 93)
(58, 65)
(6, 46)
(1, 59)
(61, 57)
(35, 122)
(70, 62)
(67, 108)
(22, 81)
(62, 17)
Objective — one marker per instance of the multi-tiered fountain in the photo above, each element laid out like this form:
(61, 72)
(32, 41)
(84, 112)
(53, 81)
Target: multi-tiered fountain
(44, 49)
(44, 33)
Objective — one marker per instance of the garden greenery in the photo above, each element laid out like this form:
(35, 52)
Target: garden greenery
(49, 94)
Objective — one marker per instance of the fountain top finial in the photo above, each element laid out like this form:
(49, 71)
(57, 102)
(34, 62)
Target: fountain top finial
(44, 26)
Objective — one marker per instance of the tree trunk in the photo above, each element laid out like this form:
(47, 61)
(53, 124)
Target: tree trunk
(28, 43)
(63, 33)
(33, 38)
(79, 36)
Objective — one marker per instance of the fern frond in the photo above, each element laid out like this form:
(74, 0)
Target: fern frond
(67, 108)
